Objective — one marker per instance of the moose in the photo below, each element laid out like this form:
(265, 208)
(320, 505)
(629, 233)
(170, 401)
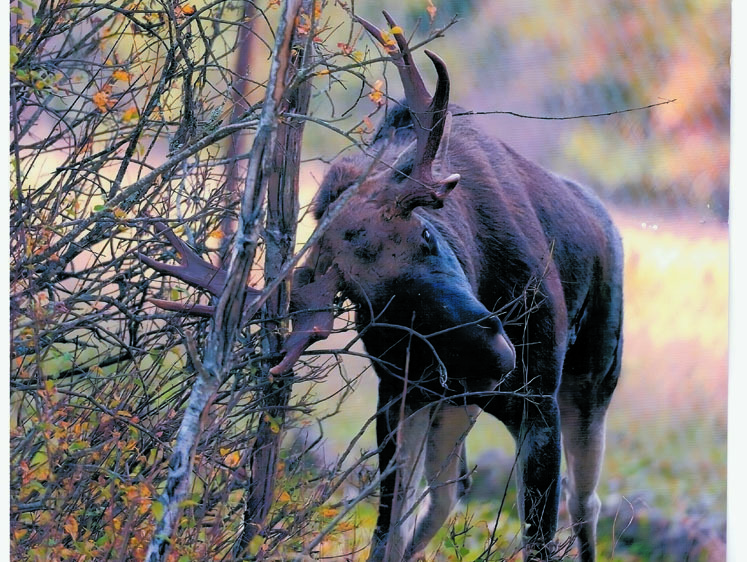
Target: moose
(444, 230)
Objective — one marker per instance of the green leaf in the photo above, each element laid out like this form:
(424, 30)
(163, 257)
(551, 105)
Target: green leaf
(14, 51)
(78, 445)
(158, 510)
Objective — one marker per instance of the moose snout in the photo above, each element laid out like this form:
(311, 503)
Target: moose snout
(502, 347)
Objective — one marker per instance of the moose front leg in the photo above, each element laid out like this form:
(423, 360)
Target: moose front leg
(537, 436)
(401, 438)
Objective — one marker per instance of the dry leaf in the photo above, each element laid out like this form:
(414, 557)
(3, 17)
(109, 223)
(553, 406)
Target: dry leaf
(233, 459)
(376, 95)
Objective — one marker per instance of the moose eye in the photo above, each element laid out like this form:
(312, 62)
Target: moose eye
(430, 245)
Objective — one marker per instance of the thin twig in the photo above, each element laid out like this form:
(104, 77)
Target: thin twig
(566, 117)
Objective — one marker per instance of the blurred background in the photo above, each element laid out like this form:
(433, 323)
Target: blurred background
(664, 174)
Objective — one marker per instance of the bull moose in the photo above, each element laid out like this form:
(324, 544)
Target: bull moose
(443, 230)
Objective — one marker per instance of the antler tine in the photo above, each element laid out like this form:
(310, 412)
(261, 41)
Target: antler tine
(437, 110)
(416, 93)
(192, 268)
(429, 115)
(202, 310)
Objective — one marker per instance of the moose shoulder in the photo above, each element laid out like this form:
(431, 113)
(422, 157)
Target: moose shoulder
(447, 228)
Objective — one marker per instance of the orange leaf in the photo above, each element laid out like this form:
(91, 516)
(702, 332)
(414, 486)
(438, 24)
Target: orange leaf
(431, 9)
(102, 99)
(233, 459)
(19, 533)
(376, 94)
(188, 9)
(71, 526)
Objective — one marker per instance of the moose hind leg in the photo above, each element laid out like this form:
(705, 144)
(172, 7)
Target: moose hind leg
(583, 442)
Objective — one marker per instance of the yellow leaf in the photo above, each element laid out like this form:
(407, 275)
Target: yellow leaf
(233, 459)
(224, 451)
(329, 512)
(396, 29)
(130, 114)
(121, 75)
(158, 510)
(390, 43)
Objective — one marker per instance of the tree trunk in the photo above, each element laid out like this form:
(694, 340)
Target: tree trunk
(280, 240)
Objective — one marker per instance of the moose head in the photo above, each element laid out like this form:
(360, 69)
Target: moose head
(385, 253)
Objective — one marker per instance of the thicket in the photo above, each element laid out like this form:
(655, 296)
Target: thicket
(134, 125)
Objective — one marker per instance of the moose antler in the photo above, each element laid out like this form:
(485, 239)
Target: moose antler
(429, 117)
(313, 316)
(192, 269)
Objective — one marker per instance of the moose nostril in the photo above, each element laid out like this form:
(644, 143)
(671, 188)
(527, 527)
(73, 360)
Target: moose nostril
(491, 323)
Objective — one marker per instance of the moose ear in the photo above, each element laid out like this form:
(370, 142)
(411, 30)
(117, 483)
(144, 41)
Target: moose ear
(417, 194)
(442, 155)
